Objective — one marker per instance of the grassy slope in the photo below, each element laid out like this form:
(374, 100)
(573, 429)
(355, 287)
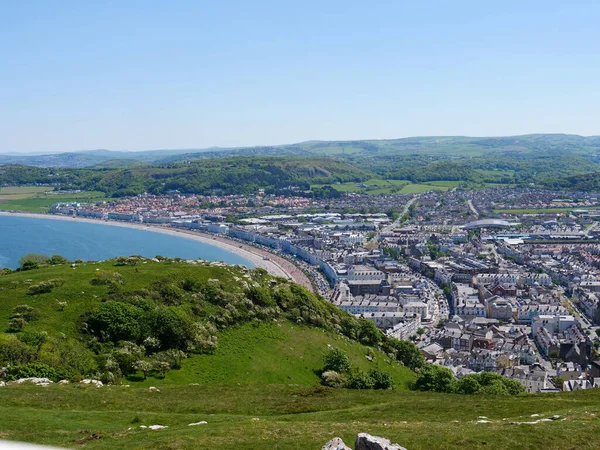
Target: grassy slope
(291, 417)
(271, 352)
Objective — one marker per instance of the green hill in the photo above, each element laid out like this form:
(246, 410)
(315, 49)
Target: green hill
(211, 324)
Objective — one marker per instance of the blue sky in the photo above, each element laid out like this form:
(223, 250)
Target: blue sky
(192, 74)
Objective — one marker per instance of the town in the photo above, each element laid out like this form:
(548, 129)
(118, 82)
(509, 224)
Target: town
(504, 280)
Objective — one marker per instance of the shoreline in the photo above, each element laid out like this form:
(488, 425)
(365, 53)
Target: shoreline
(275, 265)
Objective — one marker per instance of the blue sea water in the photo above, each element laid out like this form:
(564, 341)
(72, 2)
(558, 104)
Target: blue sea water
(96, 242)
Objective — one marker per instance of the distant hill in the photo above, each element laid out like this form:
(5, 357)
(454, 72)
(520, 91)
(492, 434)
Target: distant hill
(220, 175)
(439, 146)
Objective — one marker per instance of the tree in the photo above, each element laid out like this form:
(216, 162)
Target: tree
(435, 378)
(58, 259)
(469, 384)
(336, 360)
(368, 334)
(143, 366)
(407, 353)
(33, 261)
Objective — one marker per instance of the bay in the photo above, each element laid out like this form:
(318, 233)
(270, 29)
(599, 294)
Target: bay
(96, 242)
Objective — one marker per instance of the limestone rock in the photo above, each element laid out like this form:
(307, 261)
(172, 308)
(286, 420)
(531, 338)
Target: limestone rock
(365, 441)
(36, 381)
(335, 444)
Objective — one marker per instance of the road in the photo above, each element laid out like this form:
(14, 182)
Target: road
(591, 228)
(396, 222)
(472, 208)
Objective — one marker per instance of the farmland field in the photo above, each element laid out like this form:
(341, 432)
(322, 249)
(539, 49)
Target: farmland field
(38, 198)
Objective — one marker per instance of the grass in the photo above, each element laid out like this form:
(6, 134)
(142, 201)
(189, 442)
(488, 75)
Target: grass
(276, 353)
(37, 199)
(418, 188)
(385, 187)
(291, 417)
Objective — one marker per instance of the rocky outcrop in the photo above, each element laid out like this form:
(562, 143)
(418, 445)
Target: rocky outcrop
(365, 441)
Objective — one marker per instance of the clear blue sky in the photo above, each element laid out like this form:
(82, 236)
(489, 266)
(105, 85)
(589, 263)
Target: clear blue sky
(191, 73)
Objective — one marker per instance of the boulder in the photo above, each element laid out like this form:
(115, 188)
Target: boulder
(365, 441)
(96, 383)
(36, 381)
(335, 444)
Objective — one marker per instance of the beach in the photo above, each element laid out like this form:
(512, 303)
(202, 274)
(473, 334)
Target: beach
(271, 262)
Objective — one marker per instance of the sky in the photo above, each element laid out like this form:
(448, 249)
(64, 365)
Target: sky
(138, 75)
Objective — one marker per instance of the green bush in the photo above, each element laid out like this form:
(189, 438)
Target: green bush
(36, 370)
(435, 378)
(381, 379)
(336, 360)
(360, 380)
(116, 321)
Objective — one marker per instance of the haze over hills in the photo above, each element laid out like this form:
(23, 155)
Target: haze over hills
(441, 146)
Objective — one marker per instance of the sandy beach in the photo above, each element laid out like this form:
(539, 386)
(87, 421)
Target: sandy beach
(275, 264)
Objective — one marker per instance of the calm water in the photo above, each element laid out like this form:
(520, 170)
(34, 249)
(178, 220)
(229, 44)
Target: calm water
(96, 242)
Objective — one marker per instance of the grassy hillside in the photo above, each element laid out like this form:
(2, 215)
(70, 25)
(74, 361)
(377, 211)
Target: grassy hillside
(292, 417)
(264, 330)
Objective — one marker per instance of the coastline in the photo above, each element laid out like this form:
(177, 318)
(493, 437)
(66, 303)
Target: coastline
(275, 264)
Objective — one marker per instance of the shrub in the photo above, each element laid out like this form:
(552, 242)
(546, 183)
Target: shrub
(36, 370)
(435, 378)
(336, 360)
(334, 379)
(360, 380)
(469, 384)
(103, 277)
(26, 312)
(14, 352)
(33, 261)
(116, 321)
(58, 259)
(381, 379)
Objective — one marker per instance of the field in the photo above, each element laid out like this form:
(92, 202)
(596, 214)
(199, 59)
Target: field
(377, 186)
(291, 417)
(38, 199)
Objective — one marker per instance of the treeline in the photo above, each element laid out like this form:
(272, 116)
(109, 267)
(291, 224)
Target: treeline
(242, 175)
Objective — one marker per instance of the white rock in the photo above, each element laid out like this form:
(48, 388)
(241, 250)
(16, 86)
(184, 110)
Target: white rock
(96, 383)
(365, 441)
(157, 427)
(36, 381)
(153, 388)
(255, 418)
(483, 421)
(63, 382)
(202, 422)
(2, 383)
(335, 444)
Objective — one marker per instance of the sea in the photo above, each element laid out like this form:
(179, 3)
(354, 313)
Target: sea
(96, 242)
